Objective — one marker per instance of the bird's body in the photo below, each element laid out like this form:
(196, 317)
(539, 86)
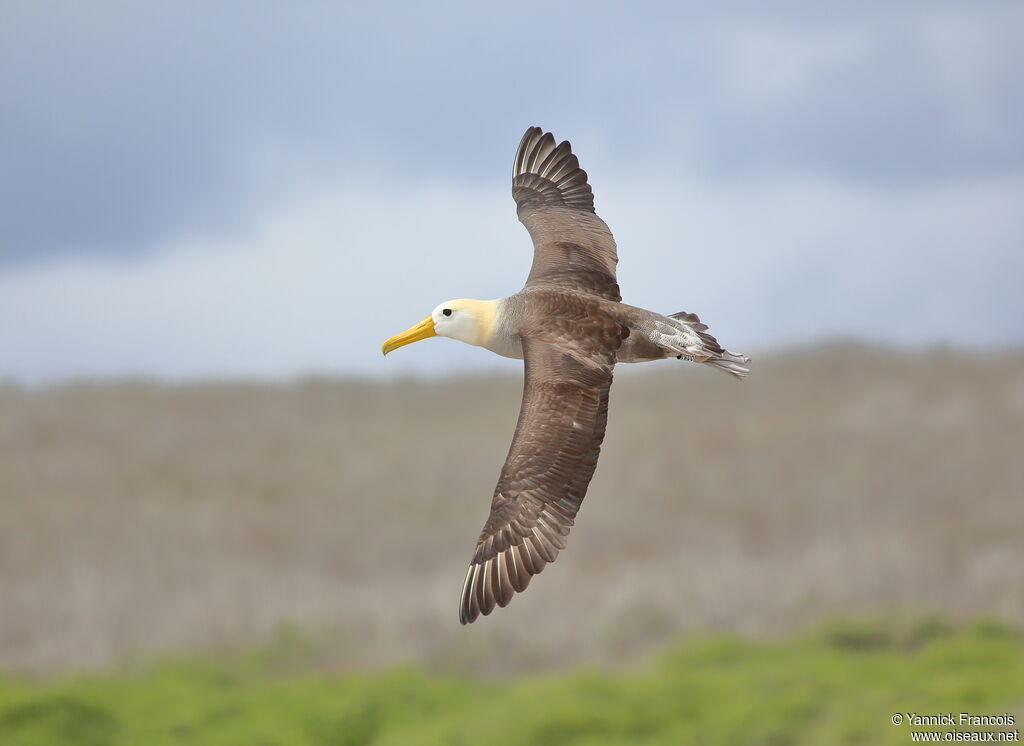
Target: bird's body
(570, 327)
(652, 336)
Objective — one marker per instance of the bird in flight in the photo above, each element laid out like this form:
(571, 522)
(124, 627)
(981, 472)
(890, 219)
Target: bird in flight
(570, 328)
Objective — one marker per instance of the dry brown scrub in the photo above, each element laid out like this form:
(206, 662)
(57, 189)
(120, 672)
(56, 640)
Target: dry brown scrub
(136, 518)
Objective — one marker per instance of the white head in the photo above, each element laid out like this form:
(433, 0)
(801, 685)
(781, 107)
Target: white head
(467, 320)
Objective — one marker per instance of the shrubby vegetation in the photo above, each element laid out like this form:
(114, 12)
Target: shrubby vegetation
(839, 685)
(138, 518)
(337, 517)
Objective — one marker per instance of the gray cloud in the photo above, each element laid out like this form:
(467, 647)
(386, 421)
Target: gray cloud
(270, 191)
(317, 285)
(124, 126)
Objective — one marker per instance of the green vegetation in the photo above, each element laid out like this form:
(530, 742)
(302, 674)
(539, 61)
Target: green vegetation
(138, 518)
(839, 685)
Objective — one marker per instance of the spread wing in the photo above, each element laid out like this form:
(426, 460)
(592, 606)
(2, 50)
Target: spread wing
(549, 465)
(572, 246)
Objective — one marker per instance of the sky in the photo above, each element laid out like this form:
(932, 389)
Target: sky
(266, 189)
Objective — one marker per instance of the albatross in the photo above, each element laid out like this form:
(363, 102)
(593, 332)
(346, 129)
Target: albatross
(569, 327)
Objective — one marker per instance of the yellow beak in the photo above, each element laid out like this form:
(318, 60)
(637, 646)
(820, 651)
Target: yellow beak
(422, 330)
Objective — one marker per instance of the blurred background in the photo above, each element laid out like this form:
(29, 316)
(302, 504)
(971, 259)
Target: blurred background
(225, 518)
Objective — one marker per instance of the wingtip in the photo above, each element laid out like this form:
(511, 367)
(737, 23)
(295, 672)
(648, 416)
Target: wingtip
(547, 172)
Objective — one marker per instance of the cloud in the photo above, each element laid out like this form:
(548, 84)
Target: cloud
(126, 127)
(267, 193)
(317, 284)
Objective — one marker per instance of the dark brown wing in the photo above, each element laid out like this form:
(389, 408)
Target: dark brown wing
(572, 247)
(549, 465)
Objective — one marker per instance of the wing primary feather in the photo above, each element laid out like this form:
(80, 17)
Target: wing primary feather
(576, 177)
(535, 561)
(484, 599)
(517, 164)
(523, 558)
(465, 617)
(490, 586)
(540, 151)
(544, 546)
(566, 166)
(546, 167)
(476, 591)
(520, 575)
(547, 146)
(505, 589)
(528, 152)
(553, 533)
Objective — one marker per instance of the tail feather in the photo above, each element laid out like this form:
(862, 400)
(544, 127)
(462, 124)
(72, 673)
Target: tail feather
(715, 355)
(691, 319)
(732, 363)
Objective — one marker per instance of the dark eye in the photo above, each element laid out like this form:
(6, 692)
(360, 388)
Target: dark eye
(447, 312)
